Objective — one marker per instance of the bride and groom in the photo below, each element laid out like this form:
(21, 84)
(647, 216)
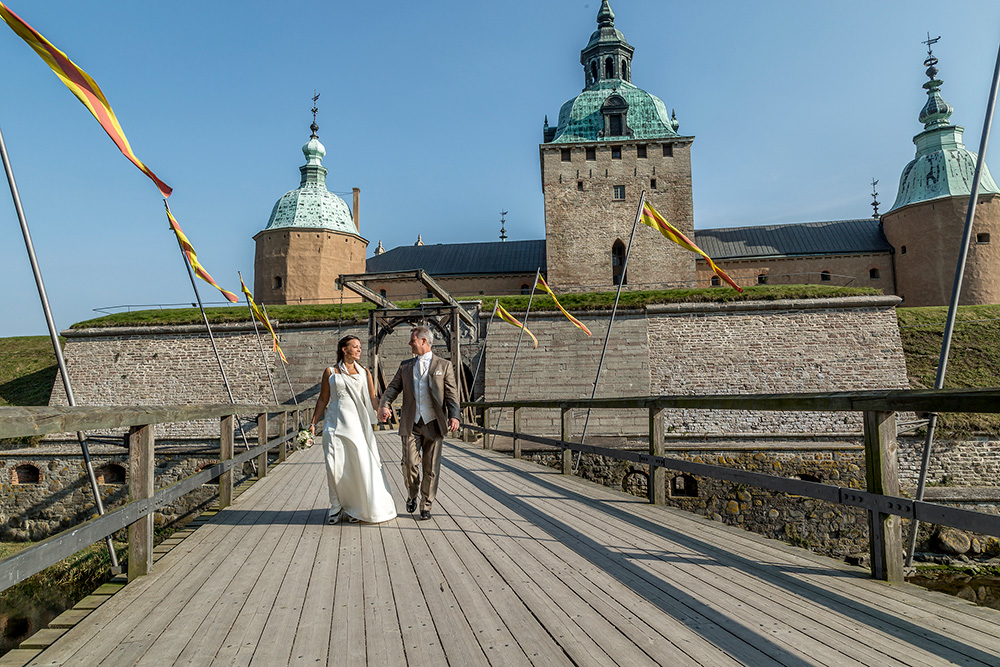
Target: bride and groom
(359, 488)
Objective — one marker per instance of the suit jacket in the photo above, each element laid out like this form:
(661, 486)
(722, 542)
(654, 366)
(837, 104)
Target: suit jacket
(444, 395)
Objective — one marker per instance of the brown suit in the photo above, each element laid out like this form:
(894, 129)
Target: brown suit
(422, 442)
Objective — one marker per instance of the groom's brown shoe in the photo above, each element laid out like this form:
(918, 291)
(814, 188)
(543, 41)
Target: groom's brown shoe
(411, 505)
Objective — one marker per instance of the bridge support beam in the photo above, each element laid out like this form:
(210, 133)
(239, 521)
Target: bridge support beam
(140, 487)
(657, 475)
(885, 537)
(565, 432)
(261, 439)
(226, 426)
(517, 430)
(283, 450)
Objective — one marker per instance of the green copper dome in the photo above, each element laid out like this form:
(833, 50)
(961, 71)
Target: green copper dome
(312, 206)
(943, 167)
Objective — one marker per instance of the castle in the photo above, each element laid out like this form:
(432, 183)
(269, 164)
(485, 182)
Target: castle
(612, 142)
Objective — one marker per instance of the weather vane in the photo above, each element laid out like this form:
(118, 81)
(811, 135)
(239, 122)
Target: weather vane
(314, 127)
(503, 230)
(875, 201)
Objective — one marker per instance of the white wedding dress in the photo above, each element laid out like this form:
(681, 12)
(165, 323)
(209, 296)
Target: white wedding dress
(358, 485)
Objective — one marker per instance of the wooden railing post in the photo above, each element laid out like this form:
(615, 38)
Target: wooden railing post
(517, 429)
(657, 475)
(487, 423)
(140, 487)
(226, 426)
(261, 439)
(565, 430)
(283, 449)
(882, 476)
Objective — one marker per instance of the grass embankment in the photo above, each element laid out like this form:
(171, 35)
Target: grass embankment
(27, 370)
(358, 312)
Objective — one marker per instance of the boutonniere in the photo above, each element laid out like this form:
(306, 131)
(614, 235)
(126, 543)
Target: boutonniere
(438, 373)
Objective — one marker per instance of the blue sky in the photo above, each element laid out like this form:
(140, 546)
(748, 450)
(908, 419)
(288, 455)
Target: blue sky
(435, 111)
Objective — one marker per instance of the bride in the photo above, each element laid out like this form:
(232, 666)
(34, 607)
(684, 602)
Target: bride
(359, 489)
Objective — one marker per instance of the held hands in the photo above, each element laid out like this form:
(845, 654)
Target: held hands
(383, 413)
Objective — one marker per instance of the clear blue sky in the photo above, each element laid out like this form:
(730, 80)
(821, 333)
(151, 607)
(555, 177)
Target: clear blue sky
(435, 109)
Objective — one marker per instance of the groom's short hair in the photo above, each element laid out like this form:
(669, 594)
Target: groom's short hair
(425, 333)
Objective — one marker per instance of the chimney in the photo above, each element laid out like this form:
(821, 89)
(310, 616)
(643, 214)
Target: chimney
(357, 202)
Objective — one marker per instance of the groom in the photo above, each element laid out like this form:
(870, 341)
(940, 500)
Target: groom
(430, 409)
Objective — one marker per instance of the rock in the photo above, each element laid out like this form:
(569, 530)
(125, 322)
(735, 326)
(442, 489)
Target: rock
(952, 541)
(859, 559)
(744, 496)
(975, 546)
(967, 594)
(732, 507)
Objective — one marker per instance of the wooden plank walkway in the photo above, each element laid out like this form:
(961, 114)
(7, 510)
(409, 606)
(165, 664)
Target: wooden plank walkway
(518, 566)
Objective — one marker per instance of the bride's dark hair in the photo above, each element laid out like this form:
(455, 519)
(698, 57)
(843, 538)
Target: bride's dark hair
(341, 345)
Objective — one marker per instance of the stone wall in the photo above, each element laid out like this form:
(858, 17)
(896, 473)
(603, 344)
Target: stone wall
(846, 270)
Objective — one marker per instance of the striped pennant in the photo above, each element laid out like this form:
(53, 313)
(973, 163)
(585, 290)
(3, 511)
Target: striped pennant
(507, 317)
(189, 252)
(545, 288)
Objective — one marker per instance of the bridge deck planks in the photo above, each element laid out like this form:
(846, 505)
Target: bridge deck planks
(520, 565)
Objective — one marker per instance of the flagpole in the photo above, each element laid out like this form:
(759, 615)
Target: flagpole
(256, 331)
(283, 366)
(489, 325)
(513, 363)
(54, 335)
(614, 310)
(956, 291)
(211, 336)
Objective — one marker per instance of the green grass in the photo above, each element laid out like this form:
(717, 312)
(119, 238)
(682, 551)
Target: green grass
(27, 370)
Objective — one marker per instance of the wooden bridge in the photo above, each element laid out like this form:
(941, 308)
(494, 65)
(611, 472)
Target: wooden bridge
(519, 565)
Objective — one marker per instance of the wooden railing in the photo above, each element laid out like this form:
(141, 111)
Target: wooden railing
(144, 499)
(882, 495)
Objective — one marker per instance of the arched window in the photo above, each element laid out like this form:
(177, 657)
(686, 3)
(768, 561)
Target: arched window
(618, 264)
(874, 274)
(762, 279)
(716, 281)
(902, 250)
(824, 276)
(382, 293)
(110, 473)
(593, 72)
(276, 283)
(609, 68)
(683, 486)
(525, 289)
(26, 474)
(624, 69)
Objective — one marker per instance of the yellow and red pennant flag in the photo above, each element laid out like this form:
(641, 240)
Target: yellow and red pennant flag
(507, 317)
(651, 218)
(81, 85)
(545, 288)
(255, 311)
(196, 266)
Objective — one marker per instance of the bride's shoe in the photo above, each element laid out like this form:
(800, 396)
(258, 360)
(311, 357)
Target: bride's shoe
(333, 518)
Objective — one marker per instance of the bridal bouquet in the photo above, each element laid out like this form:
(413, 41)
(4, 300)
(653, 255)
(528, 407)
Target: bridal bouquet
(304, 439)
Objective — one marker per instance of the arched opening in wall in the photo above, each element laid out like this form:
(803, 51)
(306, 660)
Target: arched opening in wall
(902, 250)
(874, 274)
(806, 477)
(26, 473)
(609, 68)
(624, 69)
(983, 237)
(683, 486)
(761, 278)
(382, 293)
(525, 289)
(824, 276)
(716, 281)
(618, 275)
(593, 72)
(276, 283)
(110, 473)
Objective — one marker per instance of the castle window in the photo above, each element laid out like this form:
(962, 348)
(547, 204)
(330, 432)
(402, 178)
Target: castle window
(616, 152)
(26, 474)
(111, 473)
(618, 263)
(276, 283)
(566, 155)
(382, 293)
(668, 150)
(652, 184)
(716, 282)
(615, 125)
(619, 191)
(591, 154)
(640, 150)
(683, 486)
(902, 250)
(983, 238)
(762, 279)
(824, 276)
(609, 68)
(525, 289)
(593, 72)
(579, 186)
(624, 69)
(873, 274)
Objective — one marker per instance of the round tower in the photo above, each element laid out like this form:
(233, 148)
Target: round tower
(613, 141)
(310, 239)
(926, 222)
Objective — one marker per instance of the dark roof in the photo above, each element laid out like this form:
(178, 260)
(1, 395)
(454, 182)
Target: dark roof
(463, 259)
(809, 238)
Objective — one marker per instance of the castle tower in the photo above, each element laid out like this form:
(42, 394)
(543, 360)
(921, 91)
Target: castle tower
(310, 239)
(613, 141)
(926, 222)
